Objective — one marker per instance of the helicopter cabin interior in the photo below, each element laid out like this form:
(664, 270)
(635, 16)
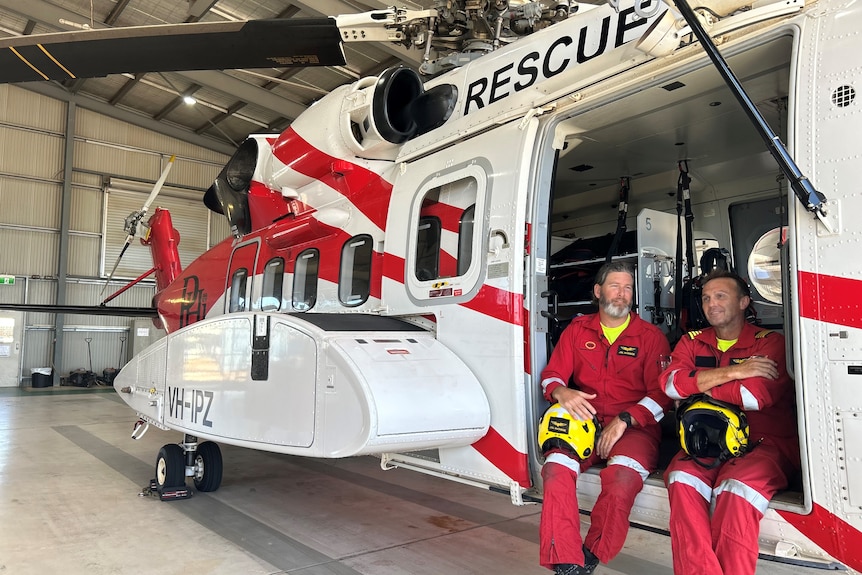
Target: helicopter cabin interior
(686, 118)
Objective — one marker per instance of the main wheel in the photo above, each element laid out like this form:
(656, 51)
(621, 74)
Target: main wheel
(171, 466)
(208, 466)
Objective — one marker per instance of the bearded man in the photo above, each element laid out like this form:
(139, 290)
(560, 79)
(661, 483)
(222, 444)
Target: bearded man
(613, 359)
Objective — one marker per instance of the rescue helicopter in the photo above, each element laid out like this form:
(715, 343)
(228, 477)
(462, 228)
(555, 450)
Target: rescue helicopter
(405, 254)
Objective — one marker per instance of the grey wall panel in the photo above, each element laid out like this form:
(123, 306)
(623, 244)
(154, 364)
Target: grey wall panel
(42, 291)
(196, 174)
(13, 293)
(104, 350)
(94, 126)
(32, 154)
(87, 180)
(86, 211)
(113, 160)
(219, 228)
(140, 295)
(32, 253)
(23, 107)
(84, 256)
(37, 349)
(26, 202)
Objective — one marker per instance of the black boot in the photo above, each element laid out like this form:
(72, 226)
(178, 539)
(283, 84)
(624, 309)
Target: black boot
(590, 561)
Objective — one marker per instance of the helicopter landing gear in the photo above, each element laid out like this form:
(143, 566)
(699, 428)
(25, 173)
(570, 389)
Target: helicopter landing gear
(175, 462)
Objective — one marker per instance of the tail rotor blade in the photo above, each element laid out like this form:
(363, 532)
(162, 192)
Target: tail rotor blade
(135, 218)
(117, 263)
(158, 187)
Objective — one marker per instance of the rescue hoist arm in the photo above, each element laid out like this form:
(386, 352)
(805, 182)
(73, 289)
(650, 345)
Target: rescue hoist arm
(813, 200)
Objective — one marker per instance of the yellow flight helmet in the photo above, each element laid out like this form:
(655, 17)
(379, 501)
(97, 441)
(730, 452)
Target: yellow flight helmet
(559, 430)
(709, 428)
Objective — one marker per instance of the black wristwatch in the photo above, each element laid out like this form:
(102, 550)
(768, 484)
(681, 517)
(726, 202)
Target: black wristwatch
(626, 418)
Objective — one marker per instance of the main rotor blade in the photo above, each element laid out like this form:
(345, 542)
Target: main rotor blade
(173, 47)
(82, 309)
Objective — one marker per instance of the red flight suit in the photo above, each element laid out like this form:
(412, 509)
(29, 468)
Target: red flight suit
(624, 377)
(739, 488)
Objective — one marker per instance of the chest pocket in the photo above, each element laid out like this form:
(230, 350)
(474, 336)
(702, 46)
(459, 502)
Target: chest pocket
(705, 361)
(626, 357)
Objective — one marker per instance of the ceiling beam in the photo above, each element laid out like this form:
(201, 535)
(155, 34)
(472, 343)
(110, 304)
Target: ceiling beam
(381, 4)
(54, 91)
(50, 15)
(212, 123)
(244, 91)
(174, 104)
(116, 11)
(47, 13)
(197, 8)
(127, 87)
(288, 12)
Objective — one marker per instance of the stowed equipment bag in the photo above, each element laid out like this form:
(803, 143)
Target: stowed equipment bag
(692, 291)
(712, 429)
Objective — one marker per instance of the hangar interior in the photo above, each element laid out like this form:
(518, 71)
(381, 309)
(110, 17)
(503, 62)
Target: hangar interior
(79, 156)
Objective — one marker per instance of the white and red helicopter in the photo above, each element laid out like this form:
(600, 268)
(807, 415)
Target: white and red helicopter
(404, 254)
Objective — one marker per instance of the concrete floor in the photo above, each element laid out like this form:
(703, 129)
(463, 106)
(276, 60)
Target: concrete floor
(71, 478)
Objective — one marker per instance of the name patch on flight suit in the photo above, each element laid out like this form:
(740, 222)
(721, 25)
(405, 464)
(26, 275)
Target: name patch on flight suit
(705, 361)
(628, 350)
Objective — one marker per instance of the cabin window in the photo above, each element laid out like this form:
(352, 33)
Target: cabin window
(444, 241)
(465, 240)
(305, 280)
(354, 278)
(273, 280)
(238, 286)
(428, 248)
(757, 234)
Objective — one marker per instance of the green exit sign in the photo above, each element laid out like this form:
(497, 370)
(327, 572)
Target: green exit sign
(7, 280)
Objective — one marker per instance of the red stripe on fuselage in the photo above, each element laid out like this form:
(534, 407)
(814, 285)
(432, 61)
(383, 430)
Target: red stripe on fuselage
(830, 533)
(393, 267)
(449, 215)
(506, 458)
(366, 190)
(499, 304)
(830, 298)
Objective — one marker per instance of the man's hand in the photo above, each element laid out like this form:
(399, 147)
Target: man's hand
(575, 402)
(757, 366)
(754, 366)
(611, 433)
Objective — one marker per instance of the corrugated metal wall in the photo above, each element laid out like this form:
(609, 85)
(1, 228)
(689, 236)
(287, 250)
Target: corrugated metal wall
(32, 145)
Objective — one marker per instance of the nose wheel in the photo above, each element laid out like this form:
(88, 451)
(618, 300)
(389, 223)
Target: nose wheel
(175, 462)
(208, 467)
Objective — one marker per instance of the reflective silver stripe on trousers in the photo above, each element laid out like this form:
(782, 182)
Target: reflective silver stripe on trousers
(740, 489)
(653, 406)
(630, 463)
(669, 389)
(694, 482)
(565, 461)
(549, 381)
(748, 399)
